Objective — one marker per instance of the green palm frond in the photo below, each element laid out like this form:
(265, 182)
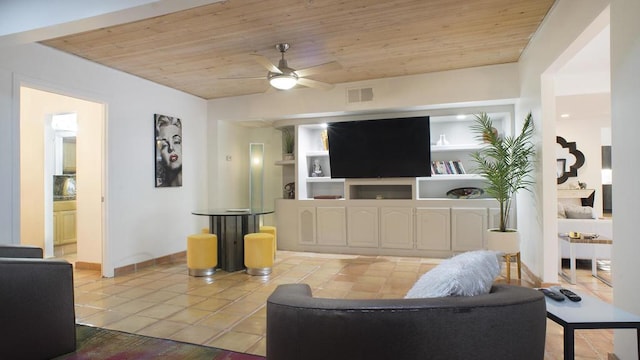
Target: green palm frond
(505, 163)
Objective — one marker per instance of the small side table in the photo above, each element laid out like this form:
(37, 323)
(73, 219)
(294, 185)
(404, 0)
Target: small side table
(590, 313)
(571, 278)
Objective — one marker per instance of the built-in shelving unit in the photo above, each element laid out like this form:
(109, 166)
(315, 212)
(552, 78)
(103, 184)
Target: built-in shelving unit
(461, 142)
(388, 216)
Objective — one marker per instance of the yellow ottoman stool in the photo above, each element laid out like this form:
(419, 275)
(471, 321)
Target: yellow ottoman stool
(271, 230)
(202, 254)
(258, 253)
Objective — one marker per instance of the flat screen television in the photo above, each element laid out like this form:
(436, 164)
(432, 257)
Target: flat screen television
(386, 148)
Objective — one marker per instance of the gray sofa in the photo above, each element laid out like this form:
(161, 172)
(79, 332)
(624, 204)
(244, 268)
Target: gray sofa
(37, 320)
(508, 323)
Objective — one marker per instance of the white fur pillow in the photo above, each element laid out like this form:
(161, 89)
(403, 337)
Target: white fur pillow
(467, 274)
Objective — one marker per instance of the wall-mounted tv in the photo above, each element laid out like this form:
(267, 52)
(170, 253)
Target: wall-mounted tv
(385, 148)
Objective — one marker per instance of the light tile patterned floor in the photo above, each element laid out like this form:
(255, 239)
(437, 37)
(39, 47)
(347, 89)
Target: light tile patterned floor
(228, 310)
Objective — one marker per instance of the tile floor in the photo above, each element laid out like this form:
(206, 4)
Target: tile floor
(228, 310)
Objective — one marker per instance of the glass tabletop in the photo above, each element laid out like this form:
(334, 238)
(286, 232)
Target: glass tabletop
(232, 211)
(590, 310)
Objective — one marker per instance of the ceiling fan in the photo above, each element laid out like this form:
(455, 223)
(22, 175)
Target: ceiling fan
(282, 77)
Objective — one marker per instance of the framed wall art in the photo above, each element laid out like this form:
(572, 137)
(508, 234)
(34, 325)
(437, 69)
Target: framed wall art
(168, 134)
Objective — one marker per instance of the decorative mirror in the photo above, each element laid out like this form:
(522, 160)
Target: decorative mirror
(570, 159)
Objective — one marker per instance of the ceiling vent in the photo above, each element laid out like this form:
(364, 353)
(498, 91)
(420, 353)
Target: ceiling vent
(359, 95)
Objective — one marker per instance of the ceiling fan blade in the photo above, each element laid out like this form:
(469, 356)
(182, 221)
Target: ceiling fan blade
(314, 84)
(266, 63)
(334, 65)
(244, 78)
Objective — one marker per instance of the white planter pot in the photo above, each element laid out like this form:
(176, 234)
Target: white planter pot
(287, 156)
(506, 242)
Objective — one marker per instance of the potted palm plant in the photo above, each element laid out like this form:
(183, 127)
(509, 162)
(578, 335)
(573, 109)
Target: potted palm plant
(288, 142)
(506, 165)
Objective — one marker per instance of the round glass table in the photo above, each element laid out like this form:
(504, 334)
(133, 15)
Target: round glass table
(230, 226)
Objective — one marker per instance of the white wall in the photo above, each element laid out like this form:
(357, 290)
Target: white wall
(483, 85)
(142, 222)
(230, 161)
(589, 114)
(489, 84)
(550, 49)
(625, 92)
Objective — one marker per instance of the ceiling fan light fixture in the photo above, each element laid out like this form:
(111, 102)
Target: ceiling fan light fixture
(283, 81)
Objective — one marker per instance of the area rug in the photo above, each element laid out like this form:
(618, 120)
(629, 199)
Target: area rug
(98, 343)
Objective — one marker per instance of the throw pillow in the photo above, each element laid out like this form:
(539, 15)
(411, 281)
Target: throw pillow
(468, 274)
(561, 212)
(579, 212)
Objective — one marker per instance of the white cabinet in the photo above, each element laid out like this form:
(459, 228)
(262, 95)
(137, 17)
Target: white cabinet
(64, 222)
(331, 226)
(322, 226)
(468, 228)
(433, 229)
(363, 226)
(307, 225)
(396, 227)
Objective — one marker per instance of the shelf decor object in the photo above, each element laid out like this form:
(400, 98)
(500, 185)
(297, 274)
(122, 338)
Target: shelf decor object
(570, 149)
(465, 193)
(442, 140)
(325, 140)
(288, 142)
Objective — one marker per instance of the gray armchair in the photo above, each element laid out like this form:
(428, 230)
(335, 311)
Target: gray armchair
(37, 317)
(507, 323)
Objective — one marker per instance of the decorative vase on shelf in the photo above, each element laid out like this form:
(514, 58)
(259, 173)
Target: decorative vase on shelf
(442, 140)
(325, 140)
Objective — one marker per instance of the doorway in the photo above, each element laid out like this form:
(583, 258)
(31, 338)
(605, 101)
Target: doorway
(78, 220)
(576, 89)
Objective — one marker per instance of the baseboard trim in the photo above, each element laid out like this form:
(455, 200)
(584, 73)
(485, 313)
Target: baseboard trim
(128, 269)
(81, 265)
(537, 281)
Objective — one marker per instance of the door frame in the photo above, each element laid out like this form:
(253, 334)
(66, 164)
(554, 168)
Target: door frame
(20, 81)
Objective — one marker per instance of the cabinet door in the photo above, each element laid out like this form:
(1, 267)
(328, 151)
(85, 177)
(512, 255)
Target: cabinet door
(433, 229)
(67, 226)
(56, 229)
(307, 225)
(468, 228)
(363, 226)
(396, 225)
(331, 226)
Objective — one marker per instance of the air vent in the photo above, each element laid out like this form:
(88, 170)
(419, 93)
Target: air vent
(359, 95)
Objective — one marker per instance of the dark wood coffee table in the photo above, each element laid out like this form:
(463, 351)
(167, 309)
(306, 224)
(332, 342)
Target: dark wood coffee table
(590, 313)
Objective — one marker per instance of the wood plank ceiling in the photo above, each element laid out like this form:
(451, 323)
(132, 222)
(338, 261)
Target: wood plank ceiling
(192, 49)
